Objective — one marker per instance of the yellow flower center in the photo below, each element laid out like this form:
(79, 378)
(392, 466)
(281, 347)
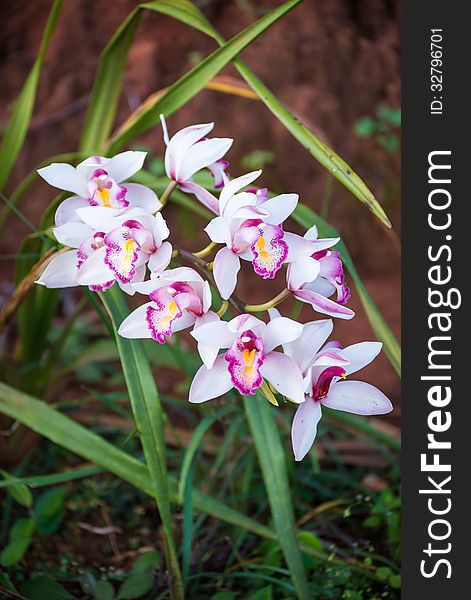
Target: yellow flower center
(104, 197)
(248, 356)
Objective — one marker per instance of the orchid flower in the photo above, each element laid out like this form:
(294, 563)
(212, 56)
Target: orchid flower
(179, 298)
(108, 248)
(249, 360)
(249, 224)
(189, 151)
(324, 371)
(97, 181)
(314, 278)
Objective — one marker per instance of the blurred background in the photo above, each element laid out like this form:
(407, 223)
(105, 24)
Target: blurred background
(334, 63)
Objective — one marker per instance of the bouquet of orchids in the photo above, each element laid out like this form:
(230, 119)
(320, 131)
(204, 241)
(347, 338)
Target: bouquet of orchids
(114, 233)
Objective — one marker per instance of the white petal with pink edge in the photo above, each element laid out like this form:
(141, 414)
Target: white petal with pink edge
(304, 427)
(208, 353)
(324, 305)
(218, 231)
(215, 333)
(304, 349)
(211, 383)
(357, 397)
(205, 197)
(234, 186)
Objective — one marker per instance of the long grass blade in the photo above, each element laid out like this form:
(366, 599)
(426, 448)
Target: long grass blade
(195, 80)
(272, 459)
(17, 127)
(148, 413)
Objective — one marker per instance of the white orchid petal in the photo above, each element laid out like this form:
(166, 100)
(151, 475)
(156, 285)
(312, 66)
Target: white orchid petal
(201, 155)
(280, 208)
(225, 270)
(357, 397)
(143, 197)
(280, 330)
(208, 353)
(180, 143)
(125, 164)
(61, 272)
(135, 325)
(284, 374)
(360, 355)
(65, 177)
(72, 234)
(305, 348)
(66, 211)
(324, 305)
(304, 427)
(161, 258)
(205, 197)
(234, 186)
(211, 383)
(298, 247)
(304, 270)
(218, 231)
(215, 334)
(94, 271)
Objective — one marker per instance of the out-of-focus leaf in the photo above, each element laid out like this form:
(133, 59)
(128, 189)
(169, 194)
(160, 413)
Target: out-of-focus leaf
(40, 588)
(21, 535)
(49, 510)
(103, 590)
(18, 491)
(17, 127)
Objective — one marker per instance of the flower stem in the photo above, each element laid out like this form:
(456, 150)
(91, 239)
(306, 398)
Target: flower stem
(167, 193)
(223, 308)
(205, 251)
(270, 304)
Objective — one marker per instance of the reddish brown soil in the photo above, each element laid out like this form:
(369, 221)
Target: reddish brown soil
(331, 62)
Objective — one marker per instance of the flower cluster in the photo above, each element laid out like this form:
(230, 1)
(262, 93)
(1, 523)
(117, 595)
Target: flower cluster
(114, 232)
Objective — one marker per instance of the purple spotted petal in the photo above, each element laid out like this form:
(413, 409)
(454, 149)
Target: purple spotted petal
(270, 251)
(245, 357)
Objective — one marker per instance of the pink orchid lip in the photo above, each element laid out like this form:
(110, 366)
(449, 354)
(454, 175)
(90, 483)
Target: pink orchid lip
(332, 269)
(245, 357)
(324, 381)
(99, 182)
(270, 251)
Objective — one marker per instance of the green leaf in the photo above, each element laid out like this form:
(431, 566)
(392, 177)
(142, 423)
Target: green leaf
(17, 127)
(148, 415)
(306, 217)
(21, 535)
(365, 127)
(194, 81)
(18, 491)
(103, 590)
(140, 580)
(265, 593)
(49, 510)
(271, 457)
(40, 588)
(224, 596)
